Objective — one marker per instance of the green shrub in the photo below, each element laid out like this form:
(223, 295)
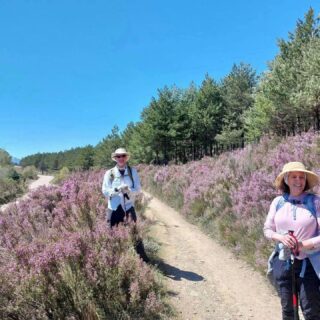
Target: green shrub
(29, 172)
(62, 175)
(9, 190)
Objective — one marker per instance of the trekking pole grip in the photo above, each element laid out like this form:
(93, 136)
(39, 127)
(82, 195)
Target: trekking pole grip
(295, 250)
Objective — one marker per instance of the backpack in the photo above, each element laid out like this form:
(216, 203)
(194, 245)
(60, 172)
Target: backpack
(129, 173)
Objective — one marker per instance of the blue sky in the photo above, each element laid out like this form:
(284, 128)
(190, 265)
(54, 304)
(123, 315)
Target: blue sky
(70, 70)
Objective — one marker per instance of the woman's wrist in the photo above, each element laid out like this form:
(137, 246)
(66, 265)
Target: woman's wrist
(277, 237)
(306, 245)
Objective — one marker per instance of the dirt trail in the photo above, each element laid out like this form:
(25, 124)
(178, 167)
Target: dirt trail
(205, 281)
(41, 181)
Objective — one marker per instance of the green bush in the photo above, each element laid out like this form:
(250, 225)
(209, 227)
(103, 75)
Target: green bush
(29, 172)
(62, 175)
(4, 172)
(9, 190)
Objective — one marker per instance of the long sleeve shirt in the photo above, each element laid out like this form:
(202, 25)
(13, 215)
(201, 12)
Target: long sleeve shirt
(294, 217)
(113, 180)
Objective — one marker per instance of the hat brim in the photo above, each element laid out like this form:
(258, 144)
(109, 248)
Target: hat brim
(113, 156)
(312, 178)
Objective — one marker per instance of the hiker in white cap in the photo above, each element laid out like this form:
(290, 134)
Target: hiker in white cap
(293, 222)
(120, 185)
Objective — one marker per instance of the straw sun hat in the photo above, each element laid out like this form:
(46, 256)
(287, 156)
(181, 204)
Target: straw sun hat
(118, 152)
(312, 178)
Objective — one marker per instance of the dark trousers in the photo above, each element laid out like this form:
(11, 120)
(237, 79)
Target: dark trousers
(120, 216)
(308, 289)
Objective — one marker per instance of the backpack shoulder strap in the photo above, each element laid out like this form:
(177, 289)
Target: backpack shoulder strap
(311, 206)
(308, 201)
(283, 199)
(130, 175)
(111, 175)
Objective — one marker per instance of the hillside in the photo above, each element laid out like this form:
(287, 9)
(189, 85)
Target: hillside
(229, 195)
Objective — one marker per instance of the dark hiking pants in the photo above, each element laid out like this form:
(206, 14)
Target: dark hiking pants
(308, 288)
(119, 216)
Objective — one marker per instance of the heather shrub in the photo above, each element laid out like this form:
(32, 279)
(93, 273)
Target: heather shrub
(229, 195)
(58, 259)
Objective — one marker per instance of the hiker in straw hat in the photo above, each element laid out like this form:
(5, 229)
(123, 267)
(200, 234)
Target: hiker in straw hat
(293, 222)
(120, 185)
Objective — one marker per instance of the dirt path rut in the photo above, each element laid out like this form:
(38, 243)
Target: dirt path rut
(205, 280)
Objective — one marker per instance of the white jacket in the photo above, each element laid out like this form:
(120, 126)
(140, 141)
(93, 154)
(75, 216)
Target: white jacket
(116, 198)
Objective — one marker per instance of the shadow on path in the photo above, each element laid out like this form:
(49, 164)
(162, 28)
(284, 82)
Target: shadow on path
(178, 274)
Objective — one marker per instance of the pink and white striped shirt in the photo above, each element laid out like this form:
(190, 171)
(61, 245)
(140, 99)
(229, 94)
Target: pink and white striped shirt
(304, 225)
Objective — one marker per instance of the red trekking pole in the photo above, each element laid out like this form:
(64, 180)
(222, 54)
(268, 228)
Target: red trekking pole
(295, 301)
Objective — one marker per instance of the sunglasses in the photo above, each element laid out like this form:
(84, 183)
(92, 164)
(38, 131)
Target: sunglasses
(121, 156)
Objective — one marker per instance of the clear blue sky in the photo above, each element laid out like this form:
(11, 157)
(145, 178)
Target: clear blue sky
(70, 70)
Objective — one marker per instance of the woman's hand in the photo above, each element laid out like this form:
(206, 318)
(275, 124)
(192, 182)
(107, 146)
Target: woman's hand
(289, 241)
(286, 239)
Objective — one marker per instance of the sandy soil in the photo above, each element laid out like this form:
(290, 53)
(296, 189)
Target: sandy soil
(41, 181)
(205, 281)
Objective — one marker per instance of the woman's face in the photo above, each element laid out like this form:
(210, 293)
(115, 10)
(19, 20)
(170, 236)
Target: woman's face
(296, 182)
(121, 160)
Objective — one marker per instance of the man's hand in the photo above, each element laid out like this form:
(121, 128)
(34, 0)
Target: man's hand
(124, 188)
